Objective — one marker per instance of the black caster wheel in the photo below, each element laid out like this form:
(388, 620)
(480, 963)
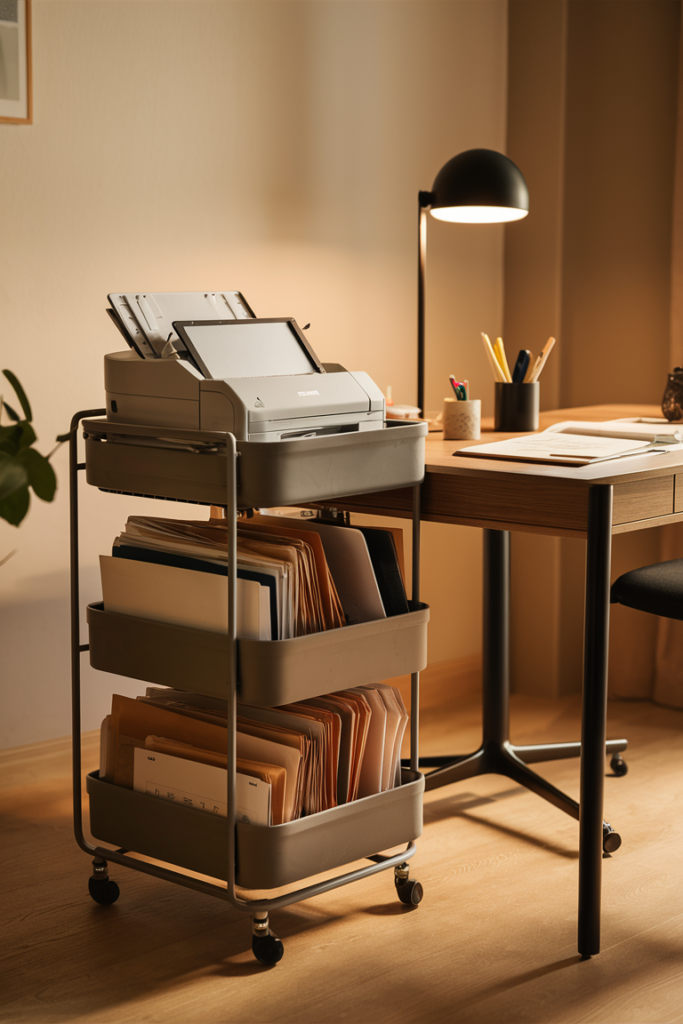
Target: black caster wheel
(103, 891)
(618, 765)
(611, 840)
(410, 892)
(267, 949)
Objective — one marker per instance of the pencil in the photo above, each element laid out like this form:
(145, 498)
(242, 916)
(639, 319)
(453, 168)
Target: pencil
(542, 359)
(499, 350)
(496, 368)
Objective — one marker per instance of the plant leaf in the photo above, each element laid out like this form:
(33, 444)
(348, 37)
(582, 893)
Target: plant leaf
(28, 434)
(11, 413)
(13, 476)
(10, 438)
(20, 393)
(15, 506)
(41, 475)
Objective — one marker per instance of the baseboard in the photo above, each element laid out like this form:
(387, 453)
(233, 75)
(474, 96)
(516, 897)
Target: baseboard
(439, 684)
(441, 681)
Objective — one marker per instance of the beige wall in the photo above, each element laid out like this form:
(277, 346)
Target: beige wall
(272, 147)
(592, 120)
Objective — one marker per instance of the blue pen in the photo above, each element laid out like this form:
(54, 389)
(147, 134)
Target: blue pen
(521, 366)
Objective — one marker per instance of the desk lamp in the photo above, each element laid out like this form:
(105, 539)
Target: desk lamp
(478, 186)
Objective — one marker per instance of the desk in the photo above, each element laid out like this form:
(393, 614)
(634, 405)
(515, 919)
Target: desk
(593, 502)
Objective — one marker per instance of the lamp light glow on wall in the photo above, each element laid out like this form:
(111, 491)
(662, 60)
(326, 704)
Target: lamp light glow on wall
(479, 186)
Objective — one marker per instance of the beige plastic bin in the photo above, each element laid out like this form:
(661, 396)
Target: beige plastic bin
(270, 672)
(132, 460)
(266, 857)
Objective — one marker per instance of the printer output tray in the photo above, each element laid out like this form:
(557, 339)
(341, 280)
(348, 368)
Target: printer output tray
(162, 462)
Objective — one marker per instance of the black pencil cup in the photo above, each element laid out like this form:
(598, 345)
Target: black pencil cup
(516, 408)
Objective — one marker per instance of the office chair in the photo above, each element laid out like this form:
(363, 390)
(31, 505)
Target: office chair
(657, 589)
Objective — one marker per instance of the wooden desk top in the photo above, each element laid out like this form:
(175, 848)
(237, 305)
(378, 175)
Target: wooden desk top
(536, 498)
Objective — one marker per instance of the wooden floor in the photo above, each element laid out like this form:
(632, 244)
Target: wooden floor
(494, 939)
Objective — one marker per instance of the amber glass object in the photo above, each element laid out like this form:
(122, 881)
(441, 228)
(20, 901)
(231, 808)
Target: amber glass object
(672, 402)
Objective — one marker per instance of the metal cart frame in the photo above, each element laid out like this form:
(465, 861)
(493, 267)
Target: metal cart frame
(267, 948)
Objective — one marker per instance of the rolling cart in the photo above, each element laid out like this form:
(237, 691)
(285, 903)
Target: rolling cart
(213, 468)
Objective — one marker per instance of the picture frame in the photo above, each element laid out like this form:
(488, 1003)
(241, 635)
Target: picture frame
(15, 62)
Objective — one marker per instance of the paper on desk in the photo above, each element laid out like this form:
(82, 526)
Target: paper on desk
(636, 429)
(576, 443)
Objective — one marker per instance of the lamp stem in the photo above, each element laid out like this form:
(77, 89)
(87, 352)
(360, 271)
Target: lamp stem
(421, 269)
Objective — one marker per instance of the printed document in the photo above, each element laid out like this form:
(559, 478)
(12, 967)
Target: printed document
(577, 443)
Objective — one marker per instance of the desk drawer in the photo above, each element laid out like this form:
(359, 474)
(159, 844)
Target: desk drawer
(643, 499)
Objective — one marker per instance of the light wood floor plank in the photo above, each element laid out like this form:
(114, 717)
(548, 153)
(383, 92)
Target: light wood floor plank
(494, 940)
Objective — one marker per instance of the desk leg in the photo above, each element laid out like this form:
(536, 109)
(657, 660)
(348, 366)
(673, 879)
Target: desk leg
(496, 638)
(594, 715)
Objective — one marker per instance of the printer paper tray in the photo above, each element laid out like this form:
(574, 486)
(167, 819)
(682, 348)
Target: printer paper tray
(266, 857)
(270, 672)
(135, 460)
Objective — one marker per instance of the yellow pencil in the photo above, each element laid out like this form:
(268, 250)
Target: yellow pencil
(497, 369)
(499, 350)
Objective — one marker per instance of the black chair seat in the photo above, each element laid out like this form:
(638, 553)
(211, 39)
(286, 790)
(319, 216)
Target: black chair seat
(657, 589)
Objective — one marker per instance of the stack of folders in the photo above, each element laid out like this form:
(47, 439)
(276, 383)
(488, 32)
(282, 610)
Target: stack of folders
(291, 761)
(294, 576)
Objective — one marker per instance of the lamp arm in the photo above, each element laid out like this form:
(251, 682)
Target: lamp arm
(424, 201)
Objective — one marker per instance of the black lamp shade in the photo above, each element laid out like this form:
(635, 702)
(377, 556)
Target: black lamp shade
(479, 185)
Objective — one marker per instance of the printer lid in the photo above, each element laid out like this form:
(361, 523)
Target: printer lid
(234, 349)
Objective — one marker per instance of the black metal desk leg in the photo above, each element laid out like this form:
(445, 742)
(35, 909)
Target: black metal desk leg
(496, 638)
(594, 715)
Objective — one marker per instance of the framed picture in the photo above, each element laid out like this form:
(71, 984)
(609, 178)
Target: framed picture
(15, 61)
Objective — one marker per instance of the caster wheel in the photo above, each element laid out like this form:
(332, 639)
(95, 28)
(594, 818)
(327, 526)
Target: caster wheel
(267, 949)
(611, 840)
(103, 891)
(410, 892)
(618, 765)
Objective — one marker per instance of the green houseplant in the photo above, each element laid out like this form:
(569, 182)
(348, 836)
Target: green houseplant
(22, 468)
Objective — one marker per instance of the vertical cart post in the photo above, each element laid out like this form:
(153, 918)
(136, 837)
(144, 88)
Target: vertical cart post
(76, 647)
(231, 515)
(415, 677)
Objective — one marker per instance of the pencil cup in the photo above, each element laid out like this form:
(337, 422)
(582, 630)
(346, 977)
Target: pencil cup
(516, 407)
(461, 420)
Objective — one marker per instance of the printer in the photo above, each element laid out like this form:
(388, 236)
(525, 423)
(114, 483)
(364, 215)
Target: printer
(203, 361)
